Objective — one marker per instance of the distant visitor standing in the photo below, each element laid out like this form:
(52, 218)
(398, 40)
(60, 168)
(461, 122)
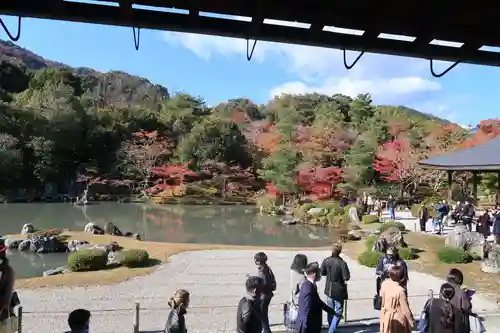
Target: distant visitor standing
(266, 273)
(496, 228)
(423, 217)
(79, 321)
(336, 271)
(248, 315)
(467, 214)
(391, 207)
(179, 303)
(8, 321)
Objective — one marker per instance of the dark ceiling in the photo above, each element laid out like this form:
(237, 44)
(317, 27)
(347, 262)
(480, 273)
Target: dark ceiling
(466, 23)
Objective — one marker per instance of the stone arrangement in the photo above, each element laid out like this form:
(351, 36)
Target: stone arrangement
(474, 242)
(54, 244)
(109, 229)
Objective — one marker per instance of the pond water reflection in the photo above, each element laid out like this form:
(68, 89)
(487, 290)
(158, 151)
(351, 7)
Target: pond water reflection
(162, 223)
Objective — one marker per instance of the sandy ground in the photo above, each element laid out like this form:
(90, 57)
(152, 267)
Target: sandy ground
(215, 279)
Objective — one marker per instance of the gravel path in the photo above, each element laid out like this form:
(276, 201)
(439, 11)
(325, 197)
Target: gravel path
(215, 280)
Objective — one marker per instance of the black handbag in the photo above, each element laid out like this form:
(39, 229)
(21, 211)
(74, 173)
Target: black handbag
(377, 302)
(14, 300)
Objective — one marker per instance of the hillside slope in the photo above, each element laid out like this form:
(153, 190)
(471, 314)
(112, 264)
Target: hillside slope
(117, 87)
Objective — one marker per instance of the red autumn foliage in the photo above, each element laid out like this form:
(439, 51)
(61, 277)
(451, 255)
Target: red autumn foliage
(316, 183)
(272, 190)
(174, 172)
(487, 130)
(394, 161)
(239, 116)
(319, 183)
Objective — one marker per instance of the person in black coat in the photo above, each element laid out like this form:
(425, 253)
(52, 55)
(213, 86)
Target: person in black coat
(248, 315)
(336, 271)
(484, 224)
(310, 317)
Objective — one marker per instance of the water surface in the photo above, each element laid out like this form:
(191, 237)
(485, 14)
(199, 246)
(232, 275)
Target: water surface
(161, 223)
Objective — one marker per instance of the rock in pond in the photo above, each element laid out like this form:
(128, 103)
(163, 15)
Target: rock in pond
(55, 271)
(28, 228)
(25, 245)
(315, 210)
(289, 221)
(13, 243)
(93, 228)
(47, 245)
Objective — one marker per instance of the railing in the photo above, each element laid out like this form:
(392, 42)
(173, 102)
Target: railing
(136, 310)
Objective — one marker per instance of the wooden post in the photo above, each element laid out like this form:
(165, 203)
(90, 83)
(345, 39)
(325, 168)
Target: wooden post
(19, 319)
(474, 187)
(450, 183)
(498, 190)
(136, 317)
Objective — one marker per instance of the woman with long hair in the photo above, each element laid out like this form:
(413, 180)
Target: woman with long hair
(179, 303)
(443, 317)
(395, 313)
(297, 268)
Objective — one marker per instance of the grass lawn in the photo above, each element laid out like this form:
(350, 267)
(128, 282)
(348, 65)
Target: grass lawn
(427, 262)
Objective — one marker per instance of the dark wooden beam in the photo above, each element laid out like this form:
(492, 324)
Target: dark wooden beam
(396, 19)
(109, 15)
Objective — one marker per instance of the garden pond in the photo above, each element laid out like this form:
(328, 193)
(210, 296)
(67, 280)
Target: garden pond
(234, 225)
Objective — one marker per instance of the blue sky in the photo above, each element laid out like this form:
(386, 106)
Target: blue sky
(216, 68)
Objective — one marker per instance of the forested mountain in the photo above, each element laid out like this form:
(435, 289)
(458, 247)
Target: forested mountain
(57, 122)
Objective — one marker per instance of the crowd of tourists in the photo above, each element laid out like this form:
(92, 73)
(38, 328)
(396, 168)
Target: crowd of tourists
(487, 223)
(449, 313)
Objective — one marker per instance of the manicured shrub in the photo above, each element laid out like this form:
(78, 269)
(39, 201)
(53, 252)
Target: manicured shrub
(369, 258)
(453, 255)
(132, 258)
(391, 224)
(337, 221)
(87, 260)
(370, 240)
(332, 207)
(269, 203)
(407, 253)
(368, 219)
(301, 211)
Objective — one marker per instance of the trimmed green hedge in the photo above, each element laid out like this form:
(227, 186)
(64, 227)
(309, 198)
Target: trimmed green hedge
(132, 258)
(369, 241)
(453, 255)
(368, 219)
(369, 258)
(88, 260)
(391, 224)
(407, 253)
